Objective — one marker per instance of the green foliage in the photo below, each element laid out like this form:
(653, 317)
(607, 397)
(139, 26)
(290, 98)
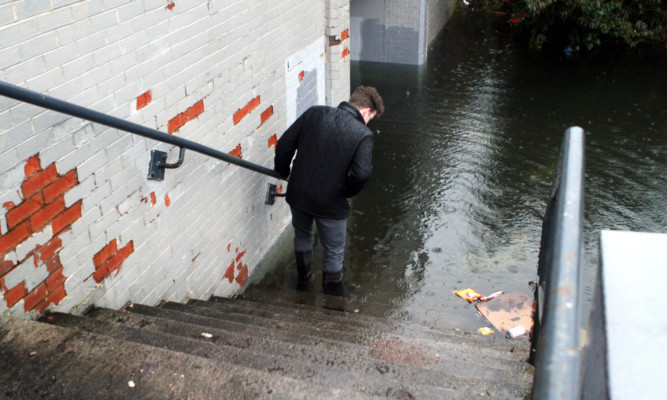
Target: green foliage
(586, 24)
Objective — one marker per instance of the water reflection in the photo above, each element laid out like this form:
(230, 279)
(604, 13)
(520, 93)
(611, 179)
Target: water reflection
(463, 163)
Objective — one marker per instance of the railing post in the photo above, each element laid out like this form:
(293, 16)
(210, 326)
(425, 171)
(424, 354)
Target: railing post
(558, 360)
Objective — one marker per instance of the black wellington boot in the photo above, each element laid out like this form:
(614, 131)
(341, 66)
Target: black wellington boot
(303, 260)
(332, 284)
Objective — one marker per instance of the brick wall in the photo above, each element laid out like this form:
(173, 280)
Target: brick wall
(338, 50)
(438, 13)
(80, 223)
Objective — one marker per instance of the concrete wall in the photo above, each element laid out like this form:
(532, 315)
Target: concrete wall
(80, 223)
(396, 31)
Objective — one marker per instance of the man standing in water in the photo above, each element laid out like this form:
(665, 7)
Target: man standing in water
(333, 162)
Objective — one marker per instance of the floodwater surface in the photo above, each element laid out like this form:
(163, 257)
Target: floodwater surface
(463, 162)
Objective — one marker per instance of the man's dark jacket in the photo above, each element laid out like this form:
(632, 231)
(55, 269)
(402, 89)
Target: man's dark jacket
(333, 159)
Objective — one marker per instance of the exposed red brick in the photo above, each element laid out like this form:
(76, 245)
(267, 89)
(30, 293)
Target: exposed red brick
(194, 111)
(127, 250)
(301, 75)
(12, 296)
(254, 103)
(5, 265)
(170, 6)
(273, 141)
(100, 273)
(186, 116)
(153, 198)
(346, 52)
(104, 254)
(240, 114)
(53, 263)
(229, 273)
(38, 180)
(229, 247)
(65, 219)
(176, 123)
(114, 262)
(242, 276)
(47, 213)
(240, 255)
(49, 249)
(167, 201)
(345, 34)
(55, 296)
(144, 99)
(236, 152)
(8, 205)
(32, 165)
(245, 110)
(60, 186)
(266, 115)
(24, 210)
(14, 236)
(55, 279)
(279, 189)
(34, 297)
(2, 284)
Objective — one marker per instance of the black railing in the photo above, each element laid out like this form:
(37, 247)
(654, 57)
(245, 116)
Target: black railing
(158, 159)
(556, 352)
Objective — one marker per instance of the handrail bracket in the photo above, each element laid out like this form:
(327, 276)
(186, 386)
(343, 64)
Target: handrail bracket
(272, 194)
(158, 163)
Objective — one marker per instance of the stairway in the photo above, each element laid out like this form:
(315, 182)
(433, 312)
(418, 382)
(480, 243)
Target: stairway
(251, 348)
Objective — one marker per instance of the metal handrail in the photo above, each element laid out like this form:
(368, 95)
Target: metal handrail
(556, 336)
(74, 110)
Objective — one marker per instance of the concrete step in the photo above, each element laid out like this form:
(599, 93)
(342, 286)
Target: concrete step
(393, 353)
(295, 362)
(516, 350)
(39, 360)
(453, 348)
(454, 363)
(396, 312)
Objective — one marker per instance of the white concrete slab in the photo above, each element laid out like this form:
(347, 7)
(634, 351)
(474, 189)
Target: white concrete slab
(634, 274)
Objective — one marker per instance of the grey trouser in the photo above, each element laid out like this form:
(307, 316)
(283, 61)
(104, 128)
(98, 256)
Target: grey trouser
(332, 236)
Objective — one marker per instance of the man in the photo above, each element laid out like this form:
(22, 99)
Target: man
(333, 162)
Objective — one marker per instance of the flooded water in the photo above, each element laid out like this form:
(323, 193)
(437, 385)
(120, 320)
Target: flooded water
(463, 162)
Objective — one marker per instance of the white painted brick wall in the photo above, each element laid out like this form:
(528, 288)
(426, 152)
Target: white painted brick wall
(439, 12)
(338, 55)
(189, 228)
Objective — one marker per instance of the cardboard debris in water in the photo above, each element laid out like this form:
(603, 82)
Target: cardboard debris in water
(508, 311)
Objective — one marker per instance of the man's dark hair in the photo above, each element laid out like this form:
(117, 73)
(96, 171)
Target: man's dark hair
(368, 96)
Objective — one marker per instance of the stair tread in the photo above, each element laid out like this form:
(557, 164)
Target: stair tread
(368, 376)
(356, 321)
(455, 344)
(41, 360)
(465, 363)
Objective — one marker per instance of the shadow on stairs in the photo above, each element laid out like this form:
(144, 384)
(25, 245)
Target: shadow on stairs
(250, 349)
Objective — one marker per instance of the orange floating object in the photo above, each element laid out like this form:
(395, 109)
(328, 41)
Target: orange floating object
(468, 294)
